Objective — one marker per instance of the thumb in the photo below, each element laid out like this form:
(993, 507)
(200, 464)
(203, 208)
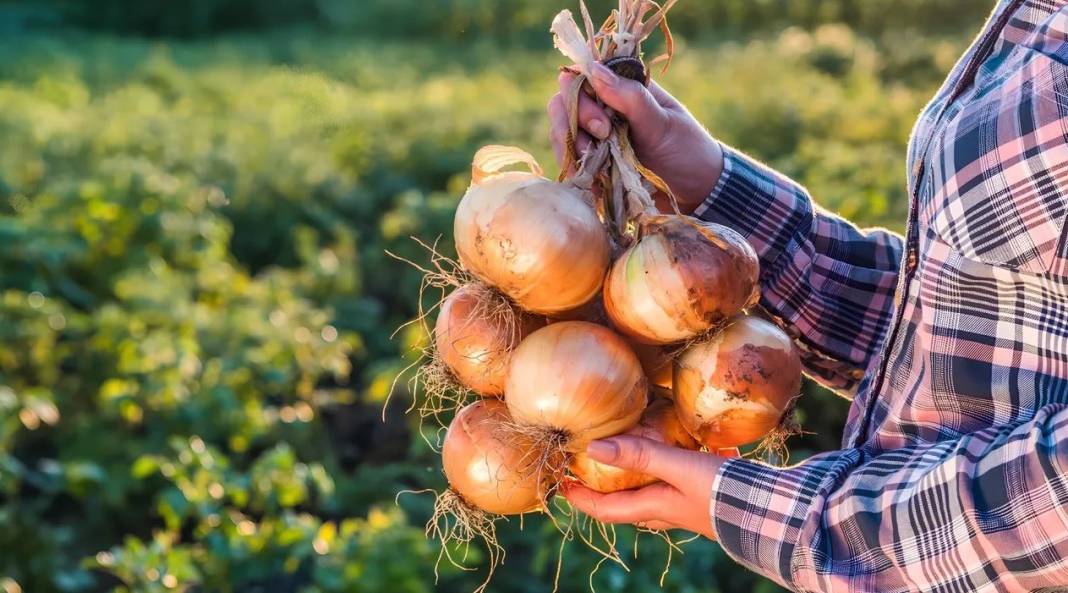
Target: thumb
(677, 467)
(628, 97)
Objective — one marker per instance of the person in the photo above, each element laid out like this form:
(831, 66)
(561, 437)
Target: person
(952, 340)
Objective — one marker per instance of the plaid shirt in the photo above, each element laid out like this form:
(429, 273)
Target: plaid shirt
(952, 340)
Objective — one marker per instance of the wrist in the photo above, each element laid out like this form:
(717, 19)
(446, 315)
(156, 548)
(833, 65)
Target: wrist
(698, 175)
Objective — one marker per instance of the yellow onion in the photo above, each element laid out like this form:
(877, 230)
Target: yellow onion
(592, 311)
(484, 463)
(537, 241)
(737, 387)
(660, 423)
(577, 380)
(656, 362)
(475, 333)
(680, 279)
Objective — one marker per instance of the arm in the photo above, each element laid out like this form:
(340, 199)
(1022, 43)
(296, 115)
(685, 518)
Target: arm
(830, 284)
(988, 511)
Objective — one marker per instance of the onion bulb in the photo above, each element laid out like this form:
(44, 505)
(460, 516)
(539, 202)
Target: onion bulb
(537, 241)
(474, 336)
(660, 423)
(737, 387)
(576, 380)
(656, 362)
(483, 462)
(680, 279)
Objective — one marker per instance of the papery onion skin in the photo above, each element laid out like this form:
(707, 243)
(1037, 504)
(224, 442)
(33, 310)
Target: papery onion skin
(734, 388)
(592, 311)
(484, 464)
(475, 339)
(578, 379)
(656, 362)
(682, 278)
(660, 423)
(537, 241)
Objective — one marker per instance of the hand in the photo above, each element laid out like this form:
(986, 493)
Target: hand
(667, 139)
(680, 501)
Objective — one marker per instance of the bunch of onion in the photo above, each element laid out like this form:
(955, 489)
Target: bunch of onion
(530, 248)
(679, 282)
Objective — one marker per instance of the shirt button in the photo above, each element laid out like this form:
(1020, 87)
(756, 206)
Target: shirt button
(910, 262)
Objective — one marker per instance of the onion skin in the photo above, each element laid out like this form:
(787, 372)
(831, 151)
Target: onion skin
(734, 388)
(656, 362)
(475, 346)
(660, 423)
(578, 379)
(682, 278)
(537, 241)
(483, 465)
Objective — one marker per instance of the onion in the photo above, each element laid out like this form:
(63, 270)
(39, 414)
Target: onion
(475, 334)
(738, 386)
(575, 381)
(682, 278)
(483, 462)
(656, 362)
(660, 423)
(537, 241)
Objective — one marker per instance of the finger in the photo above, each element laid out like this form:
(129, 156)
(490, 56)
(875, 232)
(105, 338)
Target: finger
(628, 97)
(688, 470)
(628, 506)
(591, 116)
(663, 98)
(730, 452)
(659, 526)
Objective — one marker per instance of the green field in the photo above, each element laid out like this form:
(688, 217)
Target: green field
(196, 308)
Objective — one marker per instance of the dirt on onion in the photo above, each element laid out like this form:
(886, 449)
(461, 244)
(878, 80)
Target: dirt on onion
(738, 387)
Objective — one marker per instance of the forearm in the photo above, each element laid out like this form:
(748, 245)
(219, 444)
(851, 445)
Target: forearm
(907, 519)
(829, 282)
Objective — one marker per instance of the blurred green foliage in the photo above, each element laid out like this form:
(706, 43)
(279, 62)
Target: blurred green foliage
(195, 305)
(524, 20)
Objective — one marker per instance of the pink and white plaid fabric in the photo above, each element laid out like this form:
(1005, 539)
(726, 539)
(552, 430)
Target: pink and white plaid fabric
(952, 340)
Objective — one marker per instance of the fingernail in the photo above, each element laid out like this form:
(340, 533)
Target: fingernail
(599, 128)
(604, 451)
(603, 75)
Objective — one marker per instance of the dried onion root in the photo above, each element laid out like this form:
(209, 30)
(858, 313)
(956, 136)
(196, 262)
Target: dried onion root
(471, 341)
(481, 463)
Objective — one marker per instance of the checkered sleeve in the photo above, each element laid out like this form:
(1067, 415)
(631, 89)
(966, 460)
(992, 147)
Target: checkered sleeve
(830, 284)
(985, 512)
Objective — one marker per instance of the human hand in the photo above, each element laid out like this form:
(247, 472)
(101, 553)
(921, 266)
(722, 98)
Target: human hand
(666, 137)
(680, 501)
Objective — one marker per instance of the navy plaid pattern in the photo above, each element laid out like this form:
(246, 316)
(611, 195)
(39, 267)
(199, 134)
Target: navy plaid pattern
(952, 342)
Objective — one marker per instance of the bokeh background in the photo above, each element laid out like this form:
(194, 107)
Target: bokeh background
(196, 308)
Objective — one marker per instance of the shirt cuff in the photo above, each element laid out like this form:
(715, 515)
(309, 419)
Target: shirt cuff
(759, 511)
